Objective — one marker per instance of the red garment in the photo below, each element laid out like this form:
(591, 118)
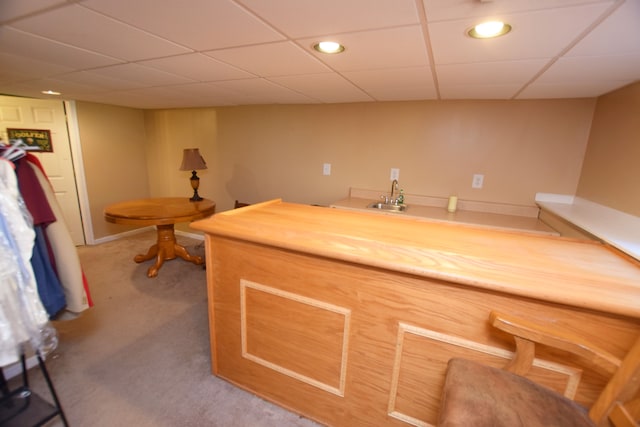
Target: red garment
(33, 195)
(36, 161)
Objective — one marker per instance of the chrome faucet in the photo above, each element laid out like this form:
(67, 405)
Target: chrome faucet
(394, 188)
(391, 200)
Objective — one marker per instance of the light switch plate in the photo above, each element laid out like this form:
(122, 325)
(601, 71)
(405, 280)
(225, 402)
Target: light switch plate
(326, 169)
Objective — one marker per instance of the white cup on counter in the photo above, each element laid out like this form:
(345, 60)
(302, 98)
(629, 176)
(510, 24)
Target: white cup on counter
(453, 204)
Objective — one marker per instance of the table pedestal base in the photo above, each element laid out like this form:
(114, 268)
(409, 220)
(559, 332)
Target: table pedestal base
(165, 249)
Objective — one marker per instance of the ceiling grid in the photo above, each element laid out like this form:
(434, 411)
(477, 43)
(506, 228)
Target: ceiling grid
(196, 53)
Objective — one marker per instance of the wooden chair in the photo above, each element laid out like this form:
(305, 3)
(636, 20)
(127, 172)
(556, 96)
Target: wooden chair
(240, 205)
(478, 395)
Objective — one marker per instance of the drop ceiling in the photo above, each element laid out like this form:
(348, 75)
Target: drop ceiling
(195, 53)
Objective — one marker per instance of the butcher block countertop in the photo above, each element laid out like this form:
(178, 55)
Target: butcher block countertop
(581, 274)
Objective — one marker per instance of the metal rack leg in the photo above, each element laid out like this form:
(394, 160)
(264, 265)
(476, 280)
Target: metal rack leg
(45, 373)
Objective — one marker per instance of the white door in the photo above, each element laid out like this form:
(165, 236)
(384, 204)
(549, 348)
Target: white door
(26, 113)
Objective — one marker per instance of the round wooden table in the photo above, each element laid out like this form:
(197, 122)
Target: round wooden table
(163, 212)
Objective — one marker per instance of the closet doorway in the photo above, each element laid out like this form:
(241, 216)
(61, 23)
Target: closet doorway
(44, 114)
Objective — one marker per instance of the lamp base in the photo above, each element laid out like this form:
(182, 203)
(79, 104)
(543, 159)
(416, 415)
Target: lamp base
(195, 183)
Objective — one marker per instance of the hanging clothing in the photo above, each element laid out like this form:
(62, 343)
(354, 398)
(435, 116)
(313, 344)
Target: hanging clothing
(33, 194)
(22, 316)
(49, 287)
(64, 255)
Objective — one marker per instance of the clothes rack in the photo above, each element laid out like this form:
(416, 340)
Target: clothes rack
(24, 321)
(21, 407)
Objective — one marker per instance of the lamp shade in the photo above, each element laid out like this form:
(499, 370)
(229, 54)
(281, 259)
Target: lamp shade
(192, 160)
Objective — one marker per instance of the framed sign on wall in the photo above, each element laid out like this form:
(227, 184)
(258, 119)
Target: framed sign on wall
(35, 139)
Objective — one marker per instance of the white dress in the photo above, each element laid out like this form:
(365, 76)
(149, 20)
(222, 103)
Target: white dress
(23, 319)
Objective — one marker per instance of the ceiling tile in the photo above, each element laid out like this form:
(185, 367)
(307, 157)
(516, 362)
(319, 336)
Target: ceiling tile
(324, 87)
(142, 75)
(83, 28)
(215, 24)
(403, 93)
(571, 90)
(12, 9)
(539, 34)
(621, 27)
(234, 52)
(126, 99)
(304, 18)
(489, 73)
(20, 43)
(196, 66)
(388, 48)
(98, 81)
(156, 98)
(26, 90)
(494, 91)
(71, 88)
(260, 91)
(24, 68)
(438, 10)
(206, 90)
(159, 96)
(259, 60)
(593, 69)
(203, 94)
(395, 84)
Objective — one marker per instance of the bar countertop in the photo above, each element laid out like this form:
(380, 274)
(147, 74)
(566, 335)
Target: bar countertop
(581, 274)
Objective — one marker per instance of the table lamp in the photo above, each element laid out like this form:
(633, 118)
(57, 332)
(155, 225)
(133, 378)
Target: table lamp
(193, 161)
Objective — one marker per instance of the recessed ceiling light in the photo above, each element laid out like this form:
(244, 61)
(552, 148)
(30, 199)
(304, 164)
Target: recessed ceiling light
(489, 29)
(51, 92)
(328, 47)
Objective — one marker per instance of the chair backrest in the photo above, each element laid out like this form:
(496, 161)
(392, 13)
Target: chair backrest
(618, 402)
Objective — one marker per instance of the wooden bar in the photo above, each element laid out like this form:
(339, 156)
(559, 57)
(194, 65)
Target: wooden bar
(349, 318)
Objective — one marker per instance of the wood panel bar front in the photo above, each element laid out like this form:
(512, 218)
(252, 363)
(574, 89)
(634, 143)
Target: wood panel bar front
(350, 318)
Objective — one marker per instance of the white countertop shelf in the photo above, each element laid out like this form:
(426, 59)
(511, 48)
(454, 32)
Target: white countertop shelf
(619, 229)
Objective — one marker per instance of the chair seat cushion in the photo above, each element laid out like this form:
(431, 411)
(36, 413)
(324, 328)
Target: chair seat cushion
(478, 395)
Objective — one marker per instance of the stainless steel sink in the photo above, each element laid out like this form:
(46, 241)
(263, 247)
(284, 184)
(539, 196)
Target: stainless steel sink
(388, 207)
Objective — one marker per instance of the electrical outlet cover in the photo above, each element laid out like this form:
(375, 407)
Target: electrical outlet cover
(478, 181)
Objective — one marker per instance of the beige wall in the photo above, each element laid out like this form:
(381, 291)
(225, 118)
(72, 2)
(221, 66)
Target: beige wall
(169, 132)
(114, 158)
(257, 153)
(611, 173)
(522, 147)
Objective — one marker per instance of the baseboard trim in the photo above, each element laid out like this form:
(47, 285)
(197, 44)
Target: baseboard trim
(15, 369)
(190, 235)
(121, 235)
(142, 230)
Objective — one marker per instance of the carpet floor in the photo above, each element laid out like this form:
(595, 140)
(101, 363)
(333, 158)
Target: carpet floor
(140, 357)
